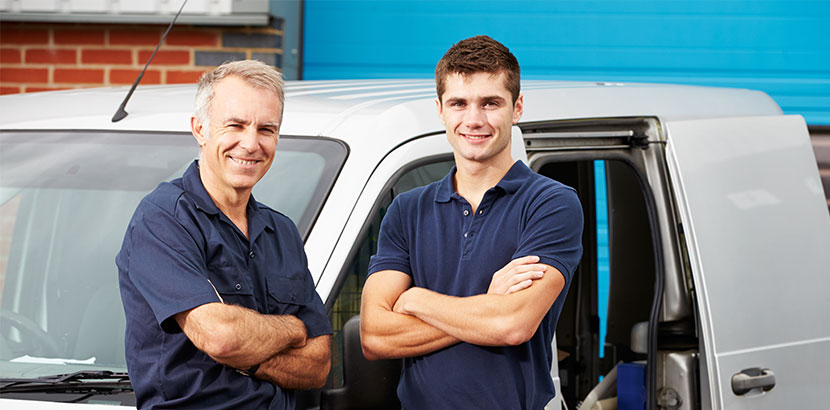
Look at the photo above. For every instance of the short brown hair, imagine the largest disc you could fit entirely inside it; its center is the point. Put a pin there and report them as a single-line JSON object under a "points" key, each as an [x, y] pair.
{"points": [[479, 54]]}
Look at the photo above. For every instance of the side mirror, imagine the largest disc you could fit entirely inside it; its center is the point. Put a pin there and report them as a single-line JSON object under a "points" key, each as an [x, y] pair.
{"points": [[367, 385]]}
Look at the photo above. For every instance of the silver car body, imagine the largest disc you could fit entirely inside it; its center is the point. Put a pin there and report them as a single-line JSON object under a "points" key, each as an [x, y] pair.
{"points": [[738, 204]]}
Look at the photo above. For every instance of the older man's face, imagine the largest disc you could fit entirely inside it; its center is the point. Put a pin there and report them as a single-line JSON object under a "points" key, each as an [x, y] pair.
{"points": [[240, 140]]}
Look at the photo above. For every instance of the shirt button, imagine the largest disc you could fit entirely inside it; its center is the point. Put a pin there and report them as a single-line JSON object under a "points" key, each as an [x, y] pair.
{"points": [[238, 286], [466, 212], [480, 211], [465, 234], [252, 254]]}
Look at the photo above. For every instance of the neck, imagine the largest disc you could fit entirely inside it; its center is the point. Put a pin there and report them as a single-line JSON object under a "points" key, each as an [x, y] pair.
{"points": [[472, 179], [231, 202]]}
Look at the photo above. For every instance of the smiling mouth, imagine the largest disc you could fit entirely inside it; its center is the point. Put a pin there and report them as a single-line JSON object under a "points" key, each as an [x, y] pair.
{"points": [[475, 137], [242, 161]]}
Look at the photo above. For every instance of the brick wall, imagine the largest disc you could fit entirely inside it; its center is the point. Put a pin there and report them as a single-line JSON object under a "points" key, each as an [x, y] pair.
{"points": [[53, 56]]}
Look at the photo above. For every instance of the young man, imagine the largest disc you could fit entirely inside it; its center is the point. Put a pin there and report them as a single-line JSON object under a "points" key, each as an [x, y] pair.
{"points": [[221, 309], [472, 271]]}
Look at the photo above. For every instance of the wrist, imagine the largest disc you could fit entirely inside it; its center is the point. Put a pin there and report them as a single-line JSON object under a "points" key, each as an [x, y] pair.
{"points": [[302, 335]]}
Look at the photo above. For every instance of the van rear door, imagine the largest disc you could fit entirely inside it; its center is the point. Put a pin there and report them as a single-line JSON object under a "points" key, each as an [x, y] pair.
{"points": [[757, 232]]}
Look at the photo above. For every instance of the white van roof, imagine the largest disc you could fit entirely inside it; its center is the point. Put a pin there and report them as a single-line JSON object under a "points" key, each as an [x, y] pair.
{"points": [[341, 108]]}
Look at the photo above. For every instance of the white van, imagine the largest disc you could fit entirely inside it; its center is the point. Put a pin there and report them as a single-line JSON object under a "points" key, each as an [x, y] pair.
{"points": [[717, 226]]}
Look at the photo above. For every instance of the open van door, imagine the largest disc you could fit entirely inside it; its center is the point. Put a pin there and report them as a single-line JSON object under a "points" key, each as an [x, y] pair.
{"points": [[757, 232]]}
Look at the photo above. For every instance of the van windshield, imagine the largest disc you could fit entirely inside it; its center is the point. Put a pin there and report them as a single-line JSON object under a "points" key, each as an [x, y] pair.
{"points": [[65, 201]]}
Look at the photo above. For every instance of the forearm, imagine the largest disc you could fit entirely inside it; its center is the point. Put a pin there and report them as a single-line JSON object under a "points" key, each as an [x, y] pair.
{"points": [[389, 335], [239, 337], [299, 368], [386, 334], [489, 319], [480, 319]]}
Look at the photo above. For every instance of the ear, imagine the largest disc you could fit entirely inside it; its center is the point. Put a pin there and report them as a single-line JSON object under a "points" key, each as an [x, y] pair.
{"points": [[517, 109], [197, 128], [440, 109]]}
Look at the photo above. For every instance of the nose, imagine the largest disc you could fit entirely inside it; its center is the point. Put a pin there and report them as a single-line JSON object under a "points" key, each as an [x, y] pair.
{"points": [[474, 117], [248, 139]]}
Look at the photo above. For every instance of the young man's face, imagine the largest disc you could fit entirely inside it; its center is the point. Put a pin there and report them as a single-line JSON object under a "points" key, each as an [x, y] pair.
{"points": [[478, 112], [239, 143]]}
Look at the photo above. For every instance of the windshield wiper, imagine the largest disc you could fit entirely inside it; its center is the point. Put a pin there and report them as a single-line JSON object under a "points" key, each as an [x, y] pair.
{"points": [[100, 381]]}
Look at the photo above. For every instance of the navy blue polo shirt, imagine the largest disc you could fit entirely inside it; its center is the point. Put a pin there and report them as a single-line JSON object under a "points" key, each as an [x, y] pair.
{"points": [[180, 252], [431, 234]]}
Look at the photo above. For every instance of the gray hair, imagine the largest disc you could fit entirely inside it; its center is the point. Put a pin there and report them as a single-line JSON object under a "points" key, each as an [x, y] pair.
{"points": [[255, 73]]}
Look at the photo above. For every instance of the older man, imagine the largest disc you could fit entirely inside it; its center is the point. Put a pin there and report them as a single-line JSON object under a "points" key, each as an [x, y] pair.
{"points": [[221, 309]]}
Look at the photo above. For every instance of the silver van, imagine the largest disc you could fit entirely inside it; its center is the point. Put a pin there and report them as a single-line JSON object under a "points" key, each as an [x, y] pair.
{"points": [[718, 234]]}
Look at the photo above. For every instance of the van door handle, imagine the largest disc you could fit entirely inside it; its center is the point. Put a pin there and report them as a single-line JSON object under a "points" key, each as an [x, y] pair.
{"points": [[753, 378]]}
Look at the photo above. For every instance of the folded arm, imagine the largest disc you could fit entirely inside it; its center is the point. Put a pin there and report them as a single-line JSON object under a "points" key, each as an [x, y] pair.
{"points": [[490, 319], [240, 337], [299, 368], [386, 334]]}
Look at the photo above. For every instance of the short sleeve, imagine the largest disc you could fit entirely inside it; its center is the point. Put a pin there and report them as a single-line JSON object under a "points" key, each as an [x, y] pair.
{"points": [[393, 249], [313, 313], [553, 230], [166, 265]]}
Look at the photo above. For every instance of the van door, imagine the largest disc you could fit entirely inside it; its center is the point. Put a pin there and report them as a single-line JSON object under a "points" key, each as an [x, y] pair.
{"points": [[757, 232]]}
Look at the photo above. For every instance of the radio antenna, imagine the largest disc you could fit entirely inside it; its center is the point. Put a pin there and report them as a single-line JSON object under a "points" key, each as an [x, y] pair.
{"points": [[122, 112]]}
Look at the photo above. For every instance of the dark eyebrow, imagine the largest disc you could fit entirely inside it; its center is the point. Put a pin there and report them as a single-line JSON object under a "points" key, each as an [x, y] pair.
{"points": [[494, 98], [455, 99]]}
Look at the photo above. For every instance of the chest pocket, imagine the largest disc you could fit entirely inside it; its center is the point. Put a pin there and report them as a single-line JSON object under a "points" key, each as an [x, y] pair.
{"points": [[232, 286], [286, 295]]}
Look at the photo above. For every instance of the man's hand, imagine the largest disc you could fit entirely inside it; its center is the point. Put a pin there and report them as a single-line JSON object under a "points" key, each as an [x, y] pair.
{"points": [[517, 275], [486, 319]]}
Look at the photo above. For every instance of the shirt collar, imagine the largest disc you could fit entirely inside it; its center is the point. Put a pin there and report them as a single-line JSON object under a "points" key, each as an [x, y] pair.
{"points": [[509, 183], [445, 188], [515, 177], [192, 182]]}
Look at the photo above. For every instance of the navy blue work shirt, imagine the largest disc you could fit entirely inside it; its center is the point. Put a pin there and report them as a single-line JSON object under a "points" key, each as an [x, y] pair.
{"points": [[180, 252], [431, 234]]}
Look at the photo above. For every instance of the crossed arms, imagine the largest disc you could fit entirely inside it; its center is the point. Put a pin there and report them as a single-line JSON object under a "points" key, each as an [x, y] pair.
{"points": [[241, 338], [398, 320]]}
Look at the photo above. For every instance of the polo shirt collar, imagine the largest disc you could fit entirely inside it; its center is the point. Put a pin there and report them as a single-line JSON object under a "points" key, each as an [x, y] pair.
{"points": [[515, 177], [445, 189], [192, 182], [509, 183]]}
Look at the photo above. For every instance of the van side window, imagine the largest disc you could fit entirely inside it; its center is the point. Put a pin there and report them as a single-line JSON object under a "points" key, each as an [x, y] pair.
{"points": [[347, 302]]}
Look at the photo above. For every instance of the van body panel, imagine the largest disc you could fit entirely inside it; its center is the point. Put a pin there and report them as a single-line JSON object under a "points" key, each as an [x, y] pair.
{"points": [[369, 192], [757, 232], [737, 222]]}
